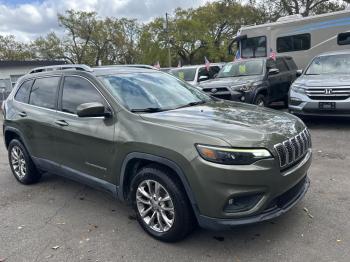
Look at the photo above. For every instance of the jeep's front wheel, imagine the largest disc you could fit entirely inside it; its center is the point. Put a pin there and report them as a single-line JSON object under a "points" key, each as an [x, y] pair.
{"points": [[260, 100], [161, 205], [21, 164]]}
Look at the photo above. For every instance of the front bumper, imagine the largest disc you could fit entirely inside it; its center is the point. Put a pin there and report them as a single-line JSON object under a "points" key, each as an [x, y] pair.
{"points": [[217, 184], [301, 104], [278, 207]]}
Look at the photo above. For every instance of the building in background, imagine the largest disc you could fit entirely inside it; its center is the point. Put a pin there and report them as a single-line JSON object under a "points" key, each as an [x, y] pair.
{"points": [[10, 71]]}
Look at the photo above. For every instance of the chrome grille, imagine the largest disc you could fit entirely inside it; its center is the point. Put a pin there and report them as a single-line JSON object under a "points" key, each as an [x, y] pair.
{"points": [[328, 93], [291, 150]]}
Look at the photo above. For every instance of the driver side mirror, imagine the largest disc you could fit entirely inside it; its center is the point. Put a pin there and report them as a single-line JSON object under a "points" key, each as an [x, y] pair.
{"points": [[299, 72], [93, 109], [273, 71], [203, 78]]}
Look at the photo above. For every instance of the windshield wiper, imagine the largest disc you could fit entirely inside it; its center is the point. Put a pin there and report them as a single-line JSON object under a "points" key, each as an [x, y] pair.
{"points": [[193, 104], [147, 109]]}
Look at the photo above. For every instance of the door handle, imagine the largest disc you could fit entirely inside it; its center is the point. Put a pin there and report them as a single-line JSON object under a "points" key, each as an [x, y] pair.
{"points": [[22, 114], [61, 123]]}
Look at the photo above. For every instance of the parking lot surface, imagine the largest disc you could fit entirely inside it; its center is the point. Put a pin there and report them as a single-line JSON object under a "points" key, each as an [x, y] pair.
{"points": [[61, 220]]}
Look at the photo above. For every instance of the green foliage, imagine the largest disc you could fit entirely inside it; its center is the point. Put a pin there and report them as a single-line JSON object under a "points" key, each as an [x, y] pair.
{"points": [[10, 49]]}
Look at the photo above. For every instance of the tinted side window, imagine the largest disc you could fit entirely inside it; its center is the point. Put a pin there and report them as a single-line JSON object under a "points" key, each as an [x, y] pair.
{"points": [[23, 92], [290, 63], [293, 43], [213, 70], [344, 39], [270, 64], [77, 91], [281, 65], [44, 92]]}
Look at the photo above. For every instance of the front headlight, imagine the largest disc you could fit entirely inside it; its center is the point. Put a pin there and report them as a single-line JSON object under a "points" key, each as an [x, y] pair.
{"points": [[232, 156], [297, 88], [250, 86]]}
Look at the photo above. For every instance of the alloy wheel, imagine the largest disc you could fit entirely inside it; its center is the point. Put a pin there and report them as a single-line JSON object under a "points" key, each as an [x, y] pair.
{"points": [[18, 162], [155, 206]]}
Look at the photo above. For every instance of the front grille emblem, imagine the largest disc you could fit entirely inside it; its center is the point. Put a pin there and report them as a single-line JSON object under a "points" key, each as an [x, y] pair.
{"points": [[328, 91]]}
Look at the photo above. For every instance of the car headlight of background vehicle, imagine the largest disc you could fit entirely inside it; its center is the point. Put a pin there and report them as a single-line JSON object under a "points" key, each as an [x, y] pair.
{"points": [[232, 156], [297, 88], [250, 86]]}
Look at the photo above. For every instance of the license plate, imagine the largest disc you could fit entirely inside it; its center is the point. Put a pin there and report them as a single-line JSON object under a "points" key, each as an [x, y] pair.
{"points": [[327, 105]]}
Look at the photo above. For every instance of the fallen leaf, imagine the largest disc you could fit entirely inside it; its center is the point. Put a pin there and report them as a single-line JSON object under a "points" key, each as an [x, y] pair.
{"points": [[20, 227], [308, 212], [55, 247]]}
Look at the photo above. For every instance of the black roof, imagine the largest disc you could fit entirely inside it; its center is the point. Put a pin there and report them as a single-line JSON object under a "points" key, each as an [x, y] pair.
{"points": [[12, 63]]}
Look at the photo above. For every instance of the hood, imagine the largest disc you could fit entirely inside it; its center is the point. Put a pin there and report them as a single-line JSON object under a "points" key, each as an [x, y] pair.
{"points": [[194, 83], [230, 81], [239, 124], [327, 80]]}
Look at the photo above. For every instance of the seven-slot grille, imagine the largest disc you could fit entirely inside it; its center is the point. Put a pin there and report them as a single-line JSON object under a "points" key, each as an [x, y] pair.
{"points": [[291, 150]]}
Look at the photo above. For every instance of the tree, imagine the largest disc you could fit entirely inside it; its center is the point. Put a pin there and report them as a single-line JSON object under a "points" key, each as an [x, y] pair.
{"points": [[50, 47], [10, 49], [80, 27], [278, 8]]}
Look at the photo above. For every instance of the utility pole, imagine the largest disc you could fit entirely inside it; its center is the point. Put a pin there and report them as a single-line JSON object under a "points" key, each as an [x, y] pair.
{"points": [[168, 38]]}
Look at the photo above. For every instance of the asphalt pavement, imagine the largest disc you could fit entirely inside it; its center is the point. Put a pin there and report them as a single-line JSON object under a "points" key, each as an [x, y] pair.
{"points": [[61, 220]]}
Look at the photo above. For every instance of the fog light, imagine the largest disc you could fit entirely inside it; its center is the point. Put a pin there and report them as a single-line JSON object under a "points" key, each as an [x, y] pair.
{"points": [[241, 203], [242, 98], [295, 101]]}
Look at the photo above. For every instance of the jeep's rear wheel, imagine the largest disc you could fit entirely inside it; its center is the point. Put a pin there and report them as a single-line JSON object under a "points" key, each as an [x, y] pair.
{"points": [[161, 205], [21, 164]]}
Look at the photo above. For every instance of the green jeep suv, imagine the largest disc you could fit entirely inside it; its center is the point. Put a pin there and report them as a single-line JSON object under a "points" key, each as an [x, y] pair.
{"points": [[177, 155]]}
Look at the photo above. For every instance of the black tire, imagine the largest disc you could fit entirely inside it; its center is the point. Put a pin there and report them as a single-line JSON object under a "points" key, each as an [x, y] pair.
{"points": [[31, 174], [183, 217], [286, 102], [260, 100]]}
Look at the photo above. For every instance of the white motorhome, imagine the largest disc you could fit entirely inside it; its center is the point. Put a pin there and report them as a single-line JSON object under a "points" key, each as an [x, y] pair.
{"points": [[299, 37]]}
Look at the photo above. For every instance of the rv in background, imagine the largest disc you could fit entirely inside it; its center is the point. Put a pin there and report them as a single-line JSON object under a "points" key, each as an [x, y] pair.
{"points": [[299, 37]]}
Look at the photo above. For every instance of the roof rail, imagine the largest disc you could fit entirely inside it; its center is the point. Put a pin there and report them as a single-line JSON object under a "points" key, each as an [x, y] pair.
{"points": [[127, 65], [61, 67]]}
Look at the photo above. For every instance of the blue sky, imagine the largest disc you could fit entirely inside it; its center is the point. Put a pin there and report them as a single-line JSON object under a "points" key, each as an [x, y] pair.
{"points": [[28, 19]]}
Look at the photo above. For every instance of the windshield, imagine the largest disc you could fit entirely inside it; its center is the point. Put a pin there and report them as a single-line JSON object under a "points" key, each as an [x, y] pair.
{"points": [[242, 68], [332, 64], [152, 92], [186, 74]]}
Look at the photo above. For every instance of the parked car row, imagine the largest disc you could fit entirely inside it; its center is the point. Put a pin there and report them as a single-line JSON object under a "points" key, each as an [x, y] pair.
{"points": [[323, 88]]}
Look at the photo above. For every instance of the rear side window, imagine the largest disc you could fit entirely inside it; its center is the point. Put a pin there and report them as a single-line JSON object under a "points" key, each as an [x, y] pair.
{"points": [[344, 39], [44, 92], [293, 43], [23, 92], [280, 65], [77, 91]]}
